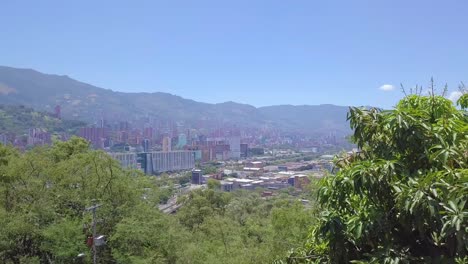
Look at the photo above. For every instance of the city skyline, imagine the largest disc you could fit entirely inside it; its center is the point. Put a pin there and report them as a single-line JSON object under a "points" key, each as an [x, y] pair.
{"points": [[261, 53]]}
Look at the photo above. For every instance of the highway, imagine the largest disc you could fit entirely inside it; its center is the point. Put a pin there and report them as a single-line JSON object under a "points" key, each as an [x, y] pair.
{"points": [[172, 206]]}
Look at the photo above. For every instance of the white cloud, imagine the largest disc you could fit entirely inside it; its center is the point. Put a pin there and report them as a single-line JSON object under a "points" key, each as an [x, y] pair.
{"points": [[387, 87], [453, 96]]}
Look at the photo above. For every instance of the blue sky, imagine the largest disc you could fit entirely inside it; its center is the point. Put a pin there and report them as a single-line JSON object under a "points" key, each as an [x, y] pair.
{"points": [[257, 52]]}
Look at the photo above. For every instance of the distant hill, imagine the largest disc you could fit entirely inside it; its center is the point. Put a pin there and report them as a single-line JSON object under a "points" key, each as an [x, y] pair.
{"points": [[18, 119], [317, 118], [87, 102]]}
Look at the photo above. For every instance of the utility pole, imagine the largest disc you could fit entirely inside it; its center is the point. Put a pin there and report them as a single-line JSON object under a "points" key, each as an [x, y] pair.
{"points": [[93, 210]]}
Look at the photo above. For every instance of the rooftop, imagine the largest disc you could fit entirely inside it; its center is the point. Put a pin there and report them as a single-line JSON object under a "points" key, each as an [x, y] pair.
{"points": [[252, 169]]}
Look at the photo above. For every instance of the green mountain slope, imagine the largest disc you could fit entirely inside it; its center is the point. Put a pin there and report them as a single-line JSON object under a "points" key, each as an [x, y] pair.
{"points": [[86, 102], [18, 119]]}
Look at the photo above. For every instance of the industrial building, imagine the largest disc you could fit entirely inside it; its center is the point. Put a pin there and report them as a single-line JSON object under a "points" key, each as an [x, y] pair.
{"points": [[164, 161], [157, 162], [126, 159]]}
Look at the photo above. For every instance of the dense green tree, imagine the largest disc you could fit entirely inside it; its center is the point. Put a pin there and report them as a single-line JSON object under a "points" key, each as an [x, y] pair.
{"points": [[402, 197], [213, 184], [43, 194], [210, 169], [63, 239], [290, 225], [201, 204], [185, 178], [243, 227], [148, 236]]}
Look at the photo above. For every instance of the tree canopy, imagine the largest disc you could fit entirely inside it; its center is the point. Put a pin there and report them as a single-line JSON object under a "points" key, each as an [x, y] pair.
{"points": [[44, 193], [402, 197]]}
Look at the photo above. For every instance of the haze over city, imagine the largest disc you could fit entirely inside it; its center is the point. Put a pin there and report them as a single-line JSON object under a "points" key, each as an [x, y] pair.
{"points": [[256, 52]]}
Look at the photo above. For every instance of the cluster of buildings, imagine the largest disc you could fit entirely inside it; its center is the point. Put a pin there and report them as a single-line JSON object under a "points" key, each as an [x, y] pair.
{"points": [[273, 182], [277, 182], [221, 143], [156, 146], [255, 175], [172, 155], [124, 136], [159, 146], [219, 148], [38, 136], [33, 136]]}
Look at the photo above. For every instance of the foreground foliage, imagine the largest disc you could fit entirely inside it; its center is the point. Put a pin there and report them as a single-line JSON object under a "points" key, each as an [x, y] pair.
{"points": [[44, 193], [403, 197]]}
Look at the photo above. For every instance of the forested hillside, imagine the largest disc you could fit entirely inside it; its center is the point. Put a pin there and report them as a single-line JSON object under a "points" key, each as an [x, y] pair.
{"points": [[18, 119]]}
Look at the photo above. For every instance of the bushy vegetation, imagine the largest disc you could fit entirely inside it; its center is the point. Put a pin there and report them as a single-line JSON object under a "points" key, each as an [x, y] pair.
{"points": [[44, 193], [403, 197]]}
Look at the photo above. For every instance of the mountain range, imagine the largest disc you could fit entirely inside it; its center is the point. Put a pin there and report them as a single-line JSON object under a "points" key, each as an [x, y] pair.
{"points": [[88, 103]]}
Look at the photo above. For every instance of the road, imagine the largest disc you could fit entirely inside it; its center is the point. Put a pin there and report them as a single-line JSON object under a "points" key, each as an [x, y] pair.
{"points": [[171, 206]]}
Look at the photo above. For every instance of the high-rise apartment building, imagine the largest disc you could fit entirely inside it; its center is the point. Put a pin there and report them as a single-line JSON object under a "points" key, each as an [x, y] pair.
{"points": [[244, 150], [148, 133], [234, 145], [146, 145], [166, 144], [182, 141], [95, 135], [172, 161]]}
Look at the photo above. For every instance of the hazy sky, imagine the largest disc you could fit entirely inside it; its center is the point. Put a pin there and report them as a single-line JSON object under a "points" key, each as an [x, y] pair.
{"points": [[257, 52]]}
